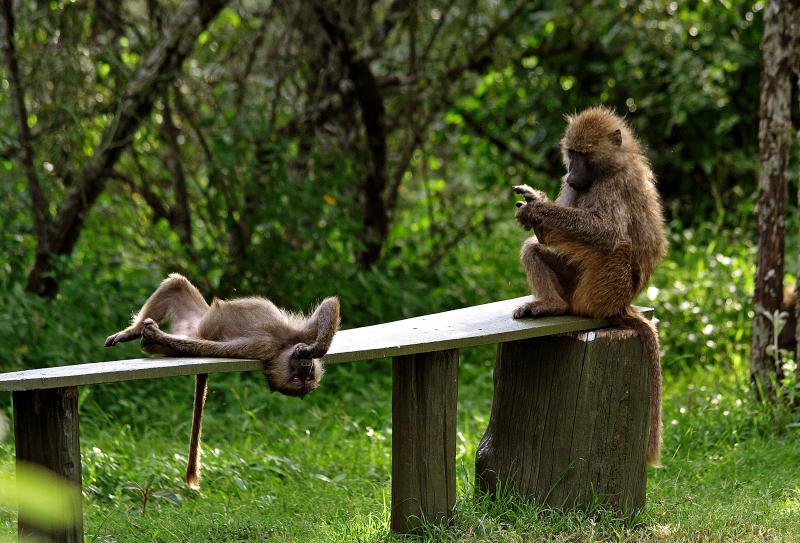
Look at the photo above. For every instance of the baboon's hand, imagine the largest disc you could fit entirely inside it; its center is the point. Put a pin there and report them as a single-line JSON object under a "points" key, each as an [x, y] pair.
{"points": [[301, 350], [113, 339], [532, 196], [526, 211], [525, 216]]}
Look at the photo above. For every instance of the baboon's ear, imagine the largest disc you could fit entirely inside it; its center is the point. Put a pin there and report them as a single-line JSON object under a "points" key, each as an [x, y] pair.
{"points": [[616, 137]]}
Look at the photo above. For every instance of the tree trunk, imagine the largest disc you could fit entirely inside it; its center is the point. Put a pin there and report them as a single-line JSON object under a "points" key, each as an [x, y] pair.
{"points": [[774, 135], [375, 220], [46, 434], [569, 421], [796, 62], [424, 394], [134, 106], [16, 93]]}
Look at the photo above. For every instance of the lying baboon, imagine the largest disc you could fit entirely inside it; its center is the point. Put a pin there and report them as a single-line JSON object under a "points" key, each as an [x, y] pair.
{"points": [[289, 344]]}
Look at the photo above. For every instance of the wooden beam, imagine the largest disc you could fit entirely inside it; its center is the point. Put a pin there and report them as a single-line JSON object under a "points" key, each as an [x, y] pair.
{"points": [[424, 393], [468, 327], [121, 370], [46, 434]]}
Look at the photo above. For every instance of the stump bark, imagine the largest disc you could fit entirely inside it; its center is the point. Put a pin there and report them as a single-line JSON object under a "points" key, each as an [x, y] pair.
{"points": [[569, 421]]}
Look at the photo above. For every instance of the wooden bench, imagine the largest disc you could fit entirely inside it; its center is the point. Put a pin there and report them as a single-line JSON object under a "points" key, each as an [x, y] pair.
{"points": [[568, 422]]}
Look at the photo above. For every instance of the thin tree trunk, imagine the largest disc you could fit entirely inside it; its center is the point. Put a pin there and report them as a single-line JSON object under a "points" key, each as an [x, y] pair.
{"points": [[795, 30], [16, 91], [181, 213], [370, 101], [134, 106], [774, 135]]}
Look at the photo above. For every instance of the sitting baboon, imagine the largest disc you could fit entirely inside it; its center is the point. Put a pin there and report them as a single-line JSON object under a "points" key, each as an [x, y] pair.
{"points": [[598, 243]]}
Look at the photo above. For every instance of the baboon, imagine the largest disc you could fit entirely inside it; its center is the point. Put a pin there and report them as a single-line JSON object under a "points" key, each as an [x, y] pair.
{"points": [[597, 244], [289, 344]]}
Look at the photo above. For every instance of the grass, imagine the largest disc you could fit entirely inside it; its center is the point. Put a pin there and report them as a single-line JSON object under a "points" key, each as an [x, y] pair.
{"points": [[280, 469]]}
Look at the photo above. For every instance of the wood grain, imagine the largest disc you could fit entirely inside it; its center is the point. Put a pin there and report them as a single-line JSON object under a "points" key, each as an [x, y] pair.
{"points": [[467, 327], [46, 434], [424, 394], [569, 421]]}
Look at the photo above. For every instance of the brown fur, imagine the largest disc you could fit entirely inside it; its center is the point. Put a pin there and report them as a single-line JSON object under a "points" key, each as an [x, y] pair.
{"points": [[193, 464], [787, 338], [597, 248], [289, 344]]}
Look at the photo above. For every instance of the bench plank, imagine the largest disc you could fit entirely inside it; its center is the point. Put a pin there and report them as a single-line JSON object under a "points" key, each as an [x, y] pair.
{"points": [[468, 327]]}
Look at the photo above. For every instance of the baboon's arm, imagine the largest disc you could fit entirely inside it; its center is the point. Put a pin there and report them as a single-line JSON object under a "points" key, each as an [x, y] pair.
{"points": [[323, 325], [578, 224], [189, 346]]}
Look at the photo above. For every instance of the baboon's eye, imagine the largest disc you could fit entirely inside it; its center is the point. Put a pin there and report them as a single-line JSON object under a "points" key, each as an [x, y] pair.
{"points": [[573, 155]]}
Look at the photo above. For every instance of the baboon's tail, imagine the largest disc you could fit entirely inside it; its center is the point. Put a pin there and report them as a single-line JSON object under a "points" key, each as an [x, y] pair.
{"points": [[648, 335], [193, 466]]}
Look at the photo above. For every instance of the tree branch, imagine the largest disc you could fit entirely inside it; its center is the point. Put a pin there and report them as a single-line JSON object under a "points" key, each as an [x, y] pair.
{"points": [[481, 130], [153, 75], [160, 210], [181, 213], [39, 203]]}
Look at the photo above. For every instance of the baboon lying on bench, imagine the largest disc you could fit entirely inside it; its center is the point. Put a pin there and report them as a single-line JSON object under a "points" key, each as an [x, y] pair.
{"points": [[290, 344]]}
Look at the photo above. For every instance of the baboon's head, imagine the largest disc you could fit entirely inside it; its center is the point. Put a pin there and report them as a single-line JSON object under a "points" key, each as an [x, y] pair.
{"points": [[294, 373], [595, 144]]}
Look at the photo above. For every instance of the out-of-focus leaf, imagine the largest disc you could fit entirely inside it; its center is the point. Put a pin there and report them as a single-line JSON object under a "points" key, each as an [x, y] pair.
{"points": [[43, 499]]}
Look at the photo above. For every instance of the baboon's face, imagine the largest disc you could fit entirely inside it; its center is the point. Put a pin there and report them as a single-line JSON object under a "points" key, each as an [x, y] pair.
{"points": [[580, 171], [294, 376]]}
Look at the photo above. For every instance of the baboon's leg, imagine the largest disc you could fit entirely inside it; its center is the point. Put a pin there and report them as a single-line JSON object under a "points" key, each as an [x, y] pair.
{"points": [[156, 341], [549, 277], [176, 300], [606, 287]]}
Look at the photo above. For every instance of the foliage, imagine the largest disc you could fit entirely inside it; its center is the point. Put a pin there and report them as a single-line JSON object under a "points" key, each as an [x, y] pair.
{"points": [[255, 159]]}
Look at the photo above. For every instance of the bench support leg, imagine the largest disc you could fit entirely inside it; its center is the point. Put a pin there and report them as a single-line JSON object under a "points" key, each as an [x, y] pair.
{"points": [[569, 421], [46, 434], [424, 393]]}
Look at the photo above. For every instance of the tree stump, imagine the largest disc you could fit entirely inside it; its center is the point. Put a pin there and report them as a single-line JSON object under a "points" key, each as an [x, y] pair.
{"points": [[569, 421], [424, 394]]}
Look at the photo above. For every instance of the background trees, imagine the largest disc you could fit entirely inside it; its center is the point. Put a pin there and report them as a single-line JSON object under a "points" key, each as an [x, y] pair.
{"points": [[289, 126]]}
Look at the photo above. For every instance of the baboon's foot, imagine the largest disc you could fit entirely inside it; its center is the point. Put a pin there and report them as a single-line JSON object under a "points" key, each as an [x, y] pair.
{"points": [[151, 334], [540, 308], [128, 334]]}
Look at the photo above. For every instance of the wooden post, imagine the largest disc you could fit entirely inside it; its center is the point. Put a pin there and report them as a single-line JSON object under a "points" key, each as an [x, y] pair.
{"points": [[569, 421], [46, 434], [424, 393]]}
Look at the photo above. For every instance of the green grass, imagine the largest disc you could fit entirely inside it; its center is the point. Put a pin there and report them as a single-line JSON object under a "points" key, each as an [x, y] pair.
{"points": [[281, 469], [278, 469]]}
